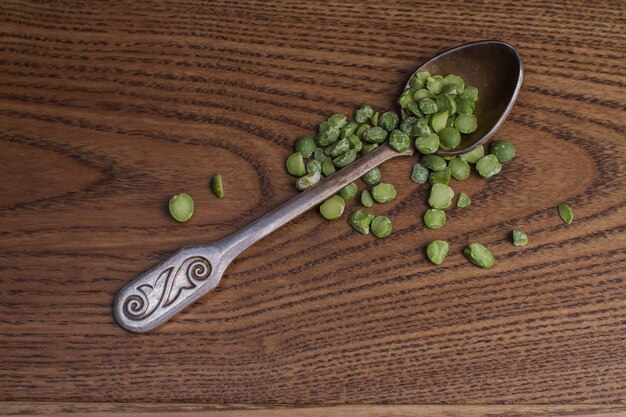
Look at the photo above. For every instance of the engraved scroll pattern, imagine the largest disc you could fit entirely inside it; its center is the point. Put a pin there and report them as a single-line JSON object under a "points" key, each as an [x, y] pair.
{"points": [[166, 288]]}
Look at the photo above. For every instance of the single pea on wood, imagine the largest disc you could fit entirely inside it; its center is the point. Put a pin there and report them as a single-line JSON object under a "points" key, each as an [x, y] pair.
{"points": [[332, 208], [436, 251], [360, 221], [295, 164], [381, 227], [419, 174], [463, 201], [217, 186], [181, 207], [479, 255], [440, 196], [566, 213], [503, 150], [519, 238], [383, 193], [366, 198], [434, 218], [488, 166], [305, 145]]}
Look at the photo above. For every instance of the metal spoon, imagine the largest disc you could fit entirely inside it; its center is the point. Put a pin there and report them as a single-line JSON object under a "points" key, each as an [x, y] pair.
{"points": [[157, 295]]}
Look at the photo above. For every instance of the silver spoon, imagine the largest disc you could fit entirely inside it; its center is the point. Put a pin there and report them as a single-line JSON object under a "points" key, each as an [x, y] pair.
{"points": [[157, 295]]}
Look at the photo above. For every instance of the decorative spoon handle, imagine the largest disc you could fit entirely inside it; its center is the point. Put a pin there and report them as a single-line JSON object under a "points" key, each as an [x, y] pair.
{"points": [[162, 292]]}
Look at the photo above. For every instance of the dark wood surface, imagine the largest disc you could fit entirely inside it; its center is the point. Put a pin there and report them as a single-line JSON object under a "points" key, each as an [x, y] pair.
{"points": [[107, 109], [202, 410]]}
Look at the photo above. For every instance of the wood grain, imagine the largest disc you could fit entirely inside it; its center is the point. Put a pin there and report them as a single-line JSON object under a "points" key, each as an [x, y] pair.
{"points": [[107, 109], [198, 410]]}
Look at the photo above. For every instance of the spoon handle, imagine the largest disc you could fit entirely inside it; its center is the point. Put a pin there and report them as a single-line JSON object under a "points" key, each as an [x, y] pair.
{"points": [[165, 290], [258, 229]]}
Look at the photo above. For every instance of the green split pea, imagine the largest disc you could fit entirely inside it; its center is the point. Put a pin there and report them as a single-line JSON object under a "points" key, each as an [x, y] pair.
{"points": [[332, 208], [434, 218], [366, 198], [463, 200], [349, 191], [372, 176], [360, 221], [295, 164], [181, 207], [217, 186], [479, 255], [488, 166], [519, 238], [383, 193], [419, 174], [437, 251], [381, 227], [440, 196], [566, 213]]}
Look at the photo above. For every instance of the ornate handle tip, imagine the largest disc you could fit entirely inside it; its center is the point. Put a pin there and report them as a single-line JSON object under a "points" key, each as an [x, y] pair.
{"points": [[160, 293]]}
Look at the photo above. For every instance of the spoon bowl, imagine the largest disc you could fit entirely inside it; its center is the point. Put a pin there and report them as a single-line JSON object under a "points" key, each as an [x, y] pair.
{"points": [[496, 69]]}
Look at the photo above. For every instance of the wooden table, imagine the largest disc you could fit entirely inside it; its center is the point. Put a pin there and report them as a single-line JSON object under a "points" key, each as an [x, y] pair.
{"points": [[106, 110]]}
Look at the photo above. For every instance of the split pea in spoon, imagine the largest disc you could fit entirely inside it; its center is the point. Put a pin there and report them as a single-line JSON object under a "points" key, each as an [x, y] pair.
{"points": [[162, 292]]}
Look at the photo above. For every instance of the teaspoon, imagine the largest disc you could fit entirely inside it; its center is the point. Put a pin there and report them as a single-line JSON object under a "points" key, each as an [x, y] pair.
{"points": [[151, 299]]}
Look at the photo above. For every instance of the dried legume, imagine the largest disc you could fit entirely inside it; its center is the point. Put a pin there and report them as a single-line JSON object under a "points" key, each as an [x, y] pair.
{"points": [[332, 208], [437, 251], [181, 207], [381, 227], [479, 255]]}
